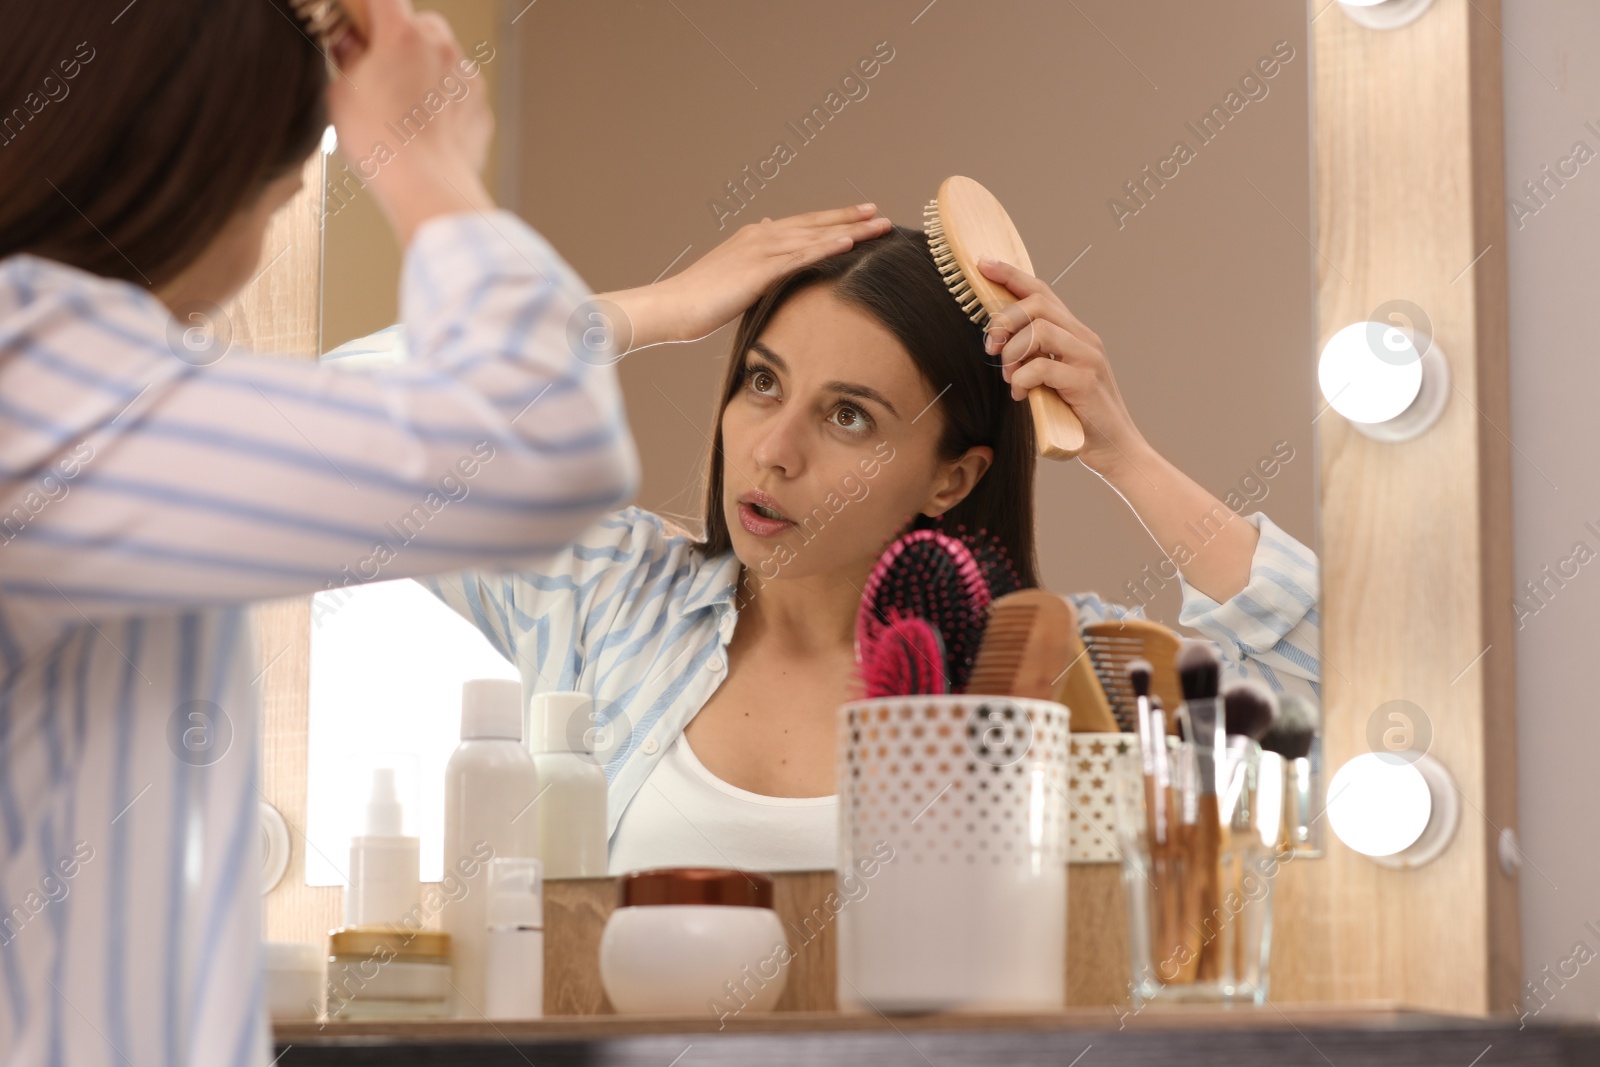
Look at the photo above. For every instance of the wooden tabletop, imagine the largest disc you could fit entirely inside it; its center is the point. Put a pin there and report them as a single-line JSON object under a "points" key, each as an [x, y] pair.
{"points": [[1160, 1035]]}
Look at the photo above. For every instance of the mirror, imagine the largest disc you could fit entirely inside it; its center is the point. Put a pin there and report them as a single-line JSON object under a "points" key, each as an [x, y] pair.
{"points": [[1156, 159]]}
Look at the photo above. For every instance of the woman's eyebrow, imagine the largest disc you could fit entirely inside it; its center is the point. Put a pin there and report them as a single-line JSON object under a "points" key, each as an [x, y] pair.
{"points": [[853, 389]]}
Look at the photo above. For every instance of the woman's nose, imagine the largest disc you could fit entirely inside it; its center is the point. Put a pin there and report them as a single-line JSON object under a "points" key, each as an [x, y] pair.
{"points": [[779, 446]]}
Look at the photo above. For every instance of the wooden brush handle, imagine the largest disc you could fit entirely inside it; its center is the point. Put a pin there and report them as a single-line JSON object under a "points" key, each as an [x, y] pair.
{"points": [[1205, 882], [1056, 429]]}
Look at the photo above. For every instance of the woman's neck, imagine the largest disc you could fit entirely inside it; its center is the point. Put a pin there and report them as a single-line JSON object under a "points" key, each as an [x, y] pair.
{"points": [[805, 616]]}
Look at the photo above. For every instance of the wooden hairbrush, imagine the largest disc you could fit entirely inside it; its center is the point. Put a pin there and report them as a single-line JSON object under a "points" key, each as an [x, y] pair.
{"points": [[1116, 643], [331, 21], [964, 224]]}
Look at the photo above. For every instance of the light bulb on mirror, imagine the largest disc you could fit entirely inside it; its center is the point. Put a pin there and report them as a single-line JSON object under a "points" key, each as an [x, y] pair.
{"points": [[1397, 809], [1384, 14], [1391, 382]]}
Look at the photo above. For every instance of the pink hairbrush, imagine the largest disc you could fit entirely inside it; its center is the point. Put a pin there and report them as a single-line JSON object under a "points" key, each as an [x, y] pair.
{"points": [[906, 658], [930, 576]]}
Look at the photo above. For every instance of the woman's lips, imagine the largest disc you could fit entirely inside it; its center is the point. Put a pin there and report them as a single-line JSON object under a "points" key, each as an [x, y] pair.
{"points": [[758, 524]]}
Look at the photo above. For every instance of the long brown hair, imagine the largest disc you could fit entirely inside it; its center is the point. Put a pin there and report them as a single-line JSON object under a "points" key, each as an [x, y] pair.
{"points": [[893, 278], [126, 147]]}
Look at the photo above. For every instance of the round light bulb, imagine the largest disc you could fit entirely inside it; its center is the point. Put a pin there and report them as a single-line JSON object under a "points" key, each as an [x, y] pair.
{"points": [[1370, 372], [1379, 806]]}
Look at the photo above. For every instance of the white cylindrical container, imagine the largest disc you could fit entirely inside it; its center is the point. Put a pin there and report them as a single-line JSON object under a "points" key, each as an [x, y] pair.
{"points": [[694, 940], [514, 983], [490, 787], [385, 872], [953, 838], [294, 981], [572, 809]]}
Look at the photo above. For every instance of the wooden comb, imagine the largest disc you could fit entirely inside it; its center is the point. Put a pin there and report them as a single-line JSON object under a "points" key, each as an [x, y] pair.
{"points": [[1113, 644], [963, 225], [1026, 641], [1031, 648]]}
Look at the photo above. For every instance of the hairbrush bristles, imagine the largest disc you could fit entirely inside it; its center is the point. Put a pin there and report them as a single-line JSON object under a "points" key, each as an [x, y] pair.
{"points": [[929, 575], [905, 659], [329, 21], [954, 279], [994, 562]]}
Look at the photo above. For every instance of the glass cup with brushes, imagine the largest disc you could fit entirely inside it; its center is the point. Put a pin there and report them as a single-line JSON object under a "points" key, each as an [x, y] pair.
{"points": [[1201, 822]]}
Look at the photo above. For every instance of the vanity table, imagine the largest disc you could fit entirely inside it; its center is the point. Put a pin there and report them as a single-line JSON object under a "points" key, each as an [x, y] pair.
{"points": [[1346, 1035]]}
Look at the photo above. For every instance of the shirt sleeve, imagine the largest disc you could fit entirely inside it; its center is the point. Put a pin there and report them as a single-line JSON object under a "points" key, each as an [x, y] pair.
{"points": [[1269, 630], [135, 477], [588, 607]]}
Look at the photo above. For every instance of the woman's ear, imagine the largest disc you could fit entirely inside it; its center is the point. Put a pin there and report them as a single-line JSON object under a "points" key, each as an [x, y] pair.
{"points": [[957, 478]]}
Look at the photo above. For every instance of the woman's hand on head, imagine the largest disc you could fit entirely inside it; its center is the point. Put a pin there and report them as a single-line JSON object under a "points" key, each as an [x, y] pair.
{"points": [[717, 288], [1041, 343], [386, 87]]}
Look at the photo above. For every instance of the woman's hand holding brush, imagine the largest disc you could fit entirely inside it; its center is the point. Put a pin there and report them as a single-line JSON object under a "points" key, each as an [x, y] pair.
{"points": [[407, 58], [1039, 342]]}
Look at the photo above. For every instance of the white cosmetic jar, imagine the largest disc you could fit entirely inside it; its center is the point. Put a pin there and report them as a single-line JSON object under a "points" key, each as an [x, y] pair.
{"points": [[294, 981], [687, 940]]}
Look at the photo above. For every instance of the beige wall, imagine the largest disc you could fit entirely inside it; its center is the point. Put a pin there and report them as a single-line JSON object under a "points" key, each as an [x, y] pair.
{"points": [[1552, 94], [633, 116]]}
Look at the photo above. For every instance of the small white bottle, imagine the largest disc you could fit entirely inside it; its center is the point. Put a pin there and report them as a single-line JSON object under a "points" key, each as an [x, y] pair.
{"points": [[515, 985], [385, 873], [572, 809], [490, 787]]}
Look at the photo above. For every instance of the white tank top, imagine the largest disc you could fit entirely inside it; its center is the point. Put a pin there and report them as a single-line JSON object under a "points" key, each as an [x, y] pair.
{"points": [[685, 816]]}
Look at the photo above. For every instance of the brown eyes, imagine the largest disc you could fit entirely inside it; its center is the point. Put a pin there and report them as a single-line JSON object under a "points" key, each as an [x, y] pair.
{"points": [[846, 416]]}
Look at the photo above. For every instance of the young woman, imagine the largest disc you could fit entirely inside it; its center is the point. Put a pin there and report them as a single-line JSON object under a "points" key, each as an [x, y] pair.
{"points": [[150, 485], [858, 398]]}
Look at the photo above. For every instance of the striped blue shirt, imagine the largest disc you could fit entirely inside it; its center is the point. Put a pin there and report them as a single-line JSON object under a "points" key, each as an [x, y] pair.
{"points": [[147, 491], [637, 615]]}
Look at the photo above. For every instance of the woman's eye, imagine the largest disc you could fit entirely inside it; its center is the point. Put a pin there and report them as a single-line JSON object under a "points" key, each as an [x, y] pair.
{"points": [[760, 380], [852, 418]]}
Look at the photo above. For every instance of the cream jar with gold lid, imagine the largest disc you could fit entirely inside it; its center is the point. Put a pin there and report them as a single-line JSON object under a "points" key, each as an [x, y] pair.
{"points": [[382, 972]]}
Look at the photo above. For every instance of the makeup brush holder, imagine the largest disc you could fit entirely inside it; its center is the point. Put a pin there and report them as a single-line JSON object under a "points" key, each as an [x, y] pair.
{"points": [[952, 853], [1167, 934]]}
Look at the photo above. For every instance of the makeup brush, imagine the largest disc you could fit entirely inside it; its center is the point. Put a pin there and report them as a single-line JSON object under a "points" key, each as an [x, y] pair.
{"points": [[1248, 711], [1138, 672], [1291, 736], [331, 21], [1293, 730], [964, 224], [1199, 672], [929, 575], [1158, 831], [1167, 837]]}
